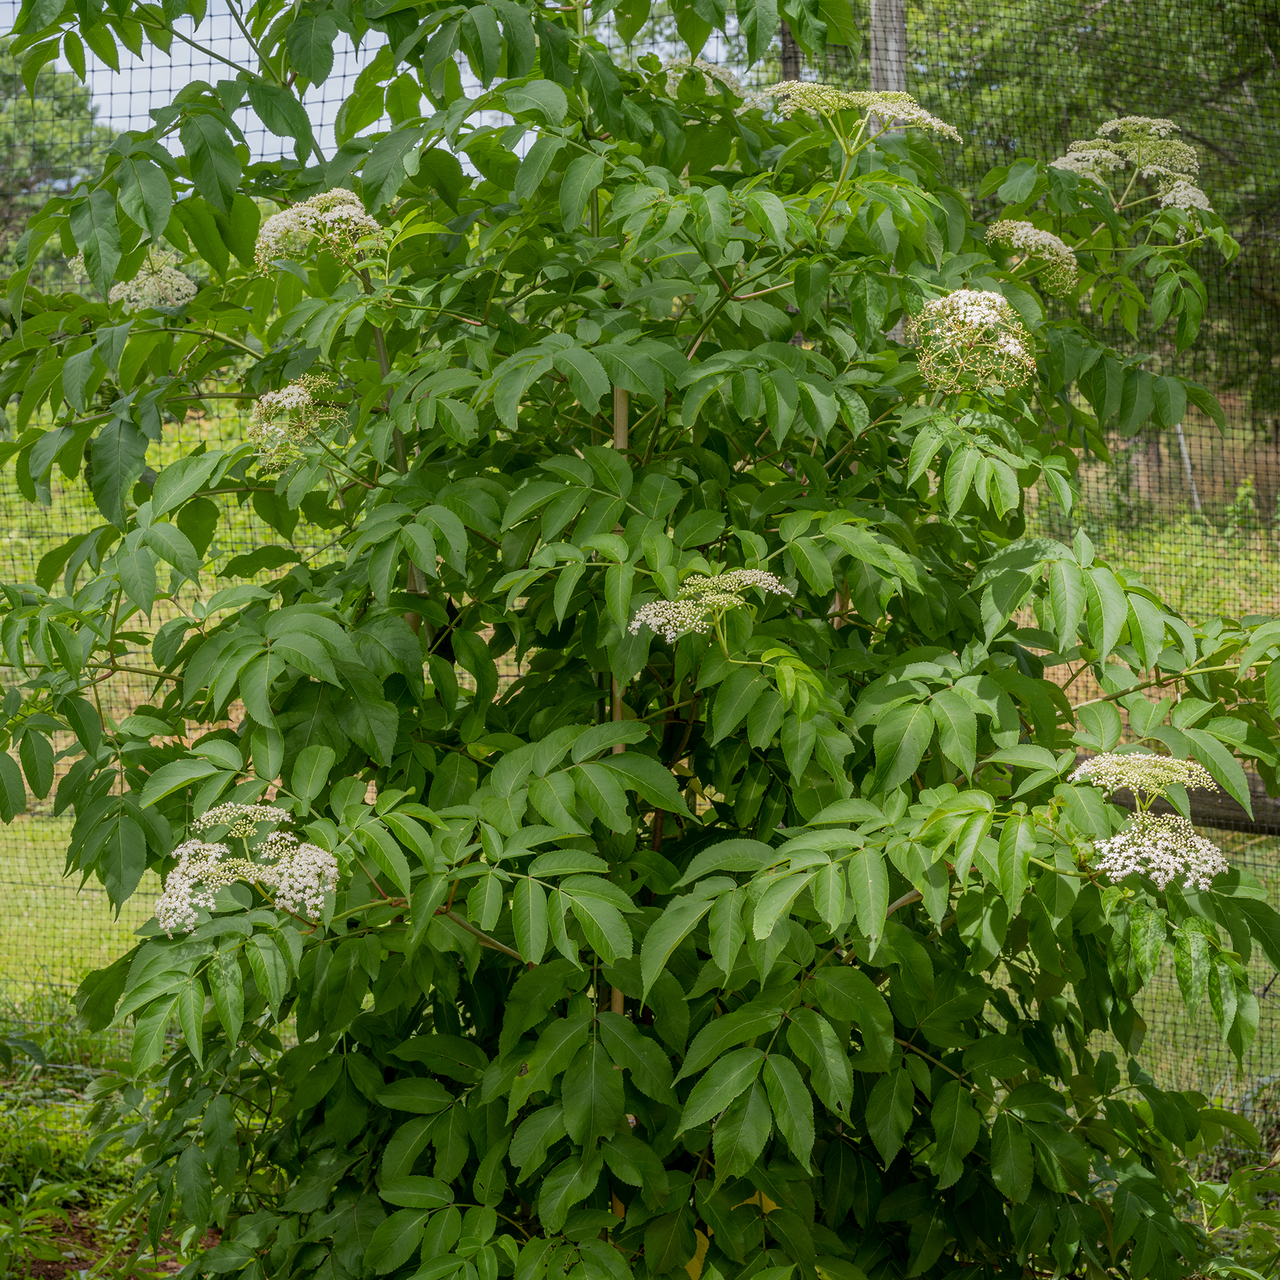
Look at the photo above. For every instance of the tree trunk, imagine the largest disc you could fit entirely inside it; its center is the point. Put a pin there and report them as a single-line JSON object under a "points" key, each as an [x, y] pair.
{"points": [[791, 59], [889, 46]]}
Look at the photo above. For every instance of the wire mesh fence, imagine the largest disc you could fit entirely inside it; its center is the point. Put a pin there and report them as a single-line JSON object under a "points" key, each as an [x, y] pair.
{"points": [[1195, 511]]}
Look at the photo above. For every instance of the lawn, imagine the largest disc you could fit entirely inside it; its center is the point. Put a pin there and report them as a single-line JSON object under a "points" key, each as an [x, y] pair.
{"points": [[57, 930]]}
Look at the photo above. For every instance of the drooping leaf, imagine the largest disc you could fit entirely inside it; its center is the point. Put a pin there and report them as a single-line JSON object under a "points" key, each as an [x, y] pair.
{"points": [[792, 1105], [889, 1112], [581, 178]]}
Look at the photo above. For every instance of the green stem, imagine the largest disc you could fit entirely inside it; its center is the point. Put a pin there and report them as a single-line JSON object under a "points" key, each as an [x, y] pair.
{"points": [[928, 1057], [253, 44], [485, 939], [137, 15], [1164, 681]]}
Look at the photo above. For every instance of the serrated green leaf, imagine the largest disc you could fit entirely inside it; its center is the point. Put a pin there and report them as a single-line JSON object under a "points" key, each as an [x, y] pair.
{"points": [[640, 1056], [741, 1133], [889, 1113], [678, 919], [956, 1124], [869, 888], [581, 178], [592, 1095], [792, 1106], [813, 1040], [1011, 1157], [228, 989]]}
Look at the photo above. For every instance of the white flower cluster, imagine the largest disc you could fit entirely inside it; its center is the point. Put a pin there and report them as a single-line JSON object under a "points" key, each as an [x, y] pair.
{"points": [[191, 885], [971, 338], [675, 69], [158, 284], [1147, 145], [1147, 125], [1143, 773], [701, 600], [301, 874], [1059, 272], [825, 100], [1186, 196], [1161, 847], [284, 420], [673, 618], [241, 820], [1089, 161], [336, 218], [735, 580]]}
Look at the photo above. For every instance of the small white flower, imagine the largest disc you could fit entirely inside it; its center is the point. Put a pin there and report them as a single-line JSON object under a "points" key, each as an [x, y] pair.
{"points": [[190, 886], [241, 820], [1143, 773], [1184, 195], [1060, 271], [303, 873], [971, 338], [671, 619], [735, 580], [825, 100], [338, 198], [1089, 161], [1142, 142], [158, 284], [300, 874], [1161, 847], [284, 235], [337, 219], [1126, 125], [700, 600], [344, 227], [675, 69], [287, 419]]}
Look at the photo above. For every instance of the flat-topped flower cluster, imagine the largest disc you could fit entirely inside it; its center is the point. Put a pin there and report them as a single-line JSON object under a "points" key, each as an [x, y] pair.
{"points": [[1146, 144], [1160, 846], [892, 110], [971, 338], [1059, 270], [674, 70], [701, 600], [1164, 848], [285, 420], [299, 873], [1142, 772], [335, 219], [158, 283]]}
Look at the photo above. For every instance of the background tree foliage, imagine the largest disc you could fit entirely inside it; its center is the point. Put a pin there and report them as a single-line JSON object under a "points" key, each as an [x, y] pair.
{"points": [[48, 136], [775, 946], [1018, 76]]}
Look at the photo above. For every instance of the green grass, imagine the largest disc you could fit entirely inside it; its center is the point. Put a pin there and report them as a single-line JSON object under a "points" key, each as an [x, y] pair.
{"points": [[1187, 1051], [29, 530], [57, 931], [1139, 511], [1200, 572], [1195, 567]]}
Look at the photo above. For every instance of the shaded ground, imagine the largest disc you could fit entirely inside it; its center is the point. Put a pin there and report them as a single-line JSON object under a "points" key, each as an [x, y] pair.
{"points": [[89, 1244]]}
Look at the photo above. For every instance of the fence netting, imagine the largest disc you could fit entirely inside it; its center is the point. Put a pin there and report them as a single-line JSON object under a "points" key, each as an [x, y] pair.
{"points": [[1195, 510]]}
